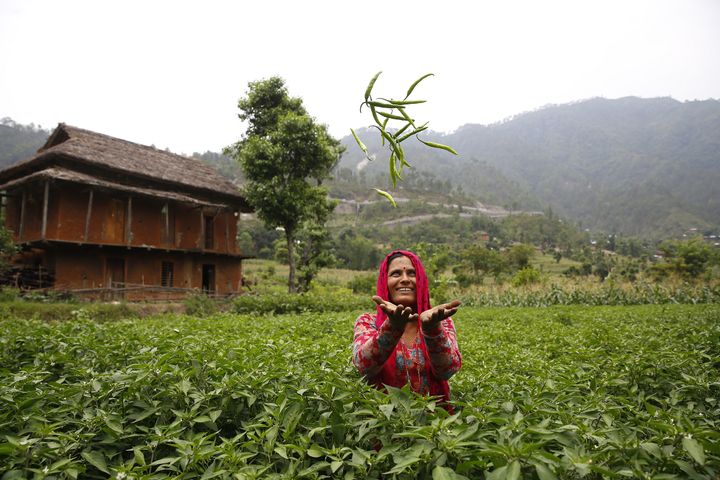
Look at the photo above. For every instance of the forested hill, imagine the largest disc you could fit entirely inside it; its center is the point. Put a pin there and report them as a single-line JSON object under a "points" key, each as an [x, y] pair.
{"points": [[18, 142], [648, 167]]}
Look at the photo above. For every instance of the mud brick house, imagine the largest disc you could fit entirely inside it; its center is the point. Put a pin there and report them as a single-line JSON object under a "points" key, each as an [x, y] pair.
{"points": [[93, 213]]}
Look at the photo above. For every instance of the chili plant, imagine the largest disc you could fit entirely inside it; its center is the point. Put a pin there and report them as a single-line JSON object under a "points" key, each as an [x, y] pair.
{"points": [[555, 392]]}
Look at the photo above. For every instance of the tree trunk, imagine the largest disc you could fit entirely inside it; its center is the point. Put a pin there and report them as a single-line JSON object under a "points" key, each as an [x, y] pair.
{"points": [[289, 236]]}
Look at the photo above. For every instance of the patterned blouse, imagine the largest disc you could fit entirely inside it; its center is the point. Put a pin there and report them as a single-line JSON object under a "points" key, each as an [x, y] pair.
{"points": [[372, 346]]}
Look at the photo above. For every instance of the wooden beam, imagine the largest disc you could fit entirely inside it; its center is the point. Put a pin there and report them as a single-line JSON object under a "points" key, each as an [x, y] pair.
{"points": [[88, 213], [46, 195], [128, 230]]}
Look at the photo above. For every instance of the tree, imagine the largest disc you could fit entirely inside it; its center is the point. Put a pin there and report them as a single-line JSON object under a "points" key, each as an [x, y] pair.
{"points": [[356, 252], [519, 255], [285, 156], [315, 246], [481, 261], [688, 258]]}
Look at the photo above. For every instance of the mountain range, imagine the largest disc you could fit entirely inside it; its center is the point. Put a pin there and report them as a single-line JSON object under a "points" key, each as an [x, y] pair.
{"points": [[633, 166]]}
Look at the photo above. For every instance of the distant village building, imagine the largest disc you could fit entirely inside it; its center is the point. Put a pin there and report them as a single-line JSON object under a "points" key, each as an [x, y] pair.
{"points": [[92, 214]]}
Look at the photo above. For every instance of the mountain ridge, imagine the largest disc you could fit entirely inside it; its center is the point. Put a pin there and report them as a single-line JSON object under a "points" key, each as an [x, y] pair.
{"points": [[618, 165]]}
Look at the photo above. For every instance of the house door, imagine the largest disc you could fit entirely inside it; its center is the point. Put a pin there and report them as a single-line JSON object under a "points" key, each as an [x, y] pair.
{"points": [[115, 222], [208, 278], [115, 275]]}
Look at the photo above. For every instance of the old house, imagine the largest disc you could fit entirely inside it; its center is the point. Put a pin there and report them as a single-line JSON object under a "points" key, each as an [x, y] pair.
{"points": [[91, 212]]}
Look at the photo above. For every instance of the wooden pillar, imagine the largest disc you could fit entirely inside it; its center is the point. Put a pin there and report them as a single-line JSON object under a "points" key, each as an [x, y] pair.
{"points": [[88, 213], [201, 240], [227, 234], [166, 211], [23, 208], [128, 230], [46, 194]]}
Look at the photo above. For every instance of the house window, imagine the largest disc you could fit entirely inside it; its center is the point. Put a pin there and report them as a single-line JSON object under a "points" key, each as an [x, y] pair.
{"points": [[166, 276], [209, 232]]}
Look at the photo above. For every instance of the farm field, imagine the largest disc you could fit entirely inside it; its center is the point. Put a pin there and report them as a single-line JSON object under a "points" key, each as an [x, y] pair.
{"points": [[556, 392]]}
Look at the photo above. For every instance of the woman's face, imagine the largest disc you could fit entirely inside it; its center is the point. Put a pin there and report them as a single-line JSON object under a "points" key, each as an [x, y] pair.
{"points": [[401, 282]]}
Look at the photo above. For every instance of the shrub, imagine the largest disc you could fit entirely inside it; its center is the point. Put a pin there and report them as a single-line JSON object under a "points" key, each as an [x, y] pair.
{"points": [[363, 284], [526, 276], [9, 294], [200, 305], [327, 300], [101, 312]]}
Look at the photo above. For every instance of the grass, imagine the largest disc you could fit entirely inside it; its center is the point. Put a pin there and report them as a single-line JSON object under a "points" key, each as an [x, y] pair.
{"points": [[257, 270], [547, 264]]}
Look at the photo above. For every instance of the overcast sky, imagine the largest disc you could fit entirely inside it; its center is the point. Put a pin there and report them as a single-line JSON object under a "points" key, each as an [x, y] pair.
{"points": [[169, 73]]}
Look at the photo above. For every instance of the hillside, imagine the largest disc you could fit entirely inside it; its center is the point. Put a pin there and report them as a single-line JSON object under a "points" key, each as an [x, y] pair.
{"points": [[648, 167], [18, 142], [638, 167]]}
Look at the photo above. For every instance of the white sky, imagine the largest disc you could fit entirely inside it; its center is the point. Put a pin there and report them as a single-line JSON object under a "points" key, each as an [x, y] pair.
{"points": [[170, 72]]}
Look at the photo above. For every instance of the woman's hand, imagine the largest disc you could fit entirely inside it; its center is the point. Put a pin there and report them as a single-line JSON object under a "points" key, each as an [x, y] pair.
{"points": [[398, 315], [430, 319]]}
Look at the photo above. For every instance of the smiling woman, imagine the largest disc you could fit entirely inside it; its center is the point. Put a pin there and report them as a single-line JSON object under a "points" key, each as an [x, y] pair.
{"points": [[407, 341]]}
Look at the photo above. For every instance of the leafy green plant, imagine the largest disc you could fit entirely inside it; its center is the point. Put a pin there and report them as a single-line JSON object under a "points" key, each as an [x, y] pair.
{"points": [[559, 392]]}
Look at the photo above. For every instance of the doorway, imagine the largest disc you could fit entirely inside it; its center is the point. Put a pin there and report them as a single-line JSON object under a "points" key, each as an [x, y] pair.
{"points": [[115, 275], [114, 226], [208, 278]]}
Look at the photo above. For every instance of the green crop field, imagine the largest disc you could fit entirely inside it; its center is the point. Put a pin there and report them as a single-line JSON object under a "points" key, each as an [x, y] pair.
{"points": [[556, 392]]}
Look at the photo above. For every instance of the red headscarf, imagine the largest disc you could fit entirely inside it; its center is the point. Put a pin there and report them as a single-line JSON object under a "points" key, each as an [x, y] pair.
{"points": [[389, 375]]}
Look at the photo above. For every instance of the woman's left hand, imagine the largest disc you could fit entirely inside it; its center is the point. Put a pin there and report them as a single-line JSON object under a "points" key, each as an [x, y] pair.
{"points": [[430, 319]]}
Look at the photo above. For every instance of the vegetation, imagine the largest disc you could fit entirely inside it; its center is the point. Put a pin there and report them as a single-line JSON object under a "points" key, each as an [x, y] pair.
{"points": [[688, 259], [18, 142], [537, 292], [281, 152], [561, 392], [45, 309], [7, 247]]}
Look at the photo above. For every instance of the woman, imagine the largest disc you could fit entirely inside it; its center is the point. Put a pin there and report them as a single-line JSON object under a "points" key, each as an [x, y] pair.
{"points": [[408, 341]]}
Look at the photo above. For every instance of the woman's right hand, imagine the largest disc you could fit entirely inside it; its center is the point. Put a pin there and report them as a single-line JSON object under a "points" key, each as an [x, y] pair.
{"points": [[398, 315]]}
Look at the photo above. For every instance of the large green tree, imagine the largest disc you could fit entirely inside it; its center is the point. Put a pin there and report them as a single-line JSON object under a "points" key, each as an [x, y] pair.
{"points": [[285, 156], [687, 258]]}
